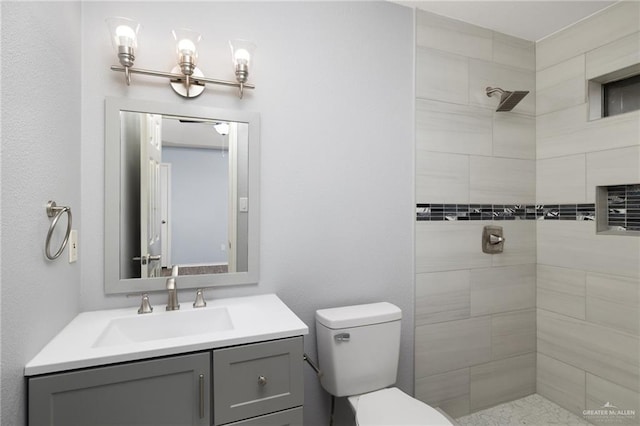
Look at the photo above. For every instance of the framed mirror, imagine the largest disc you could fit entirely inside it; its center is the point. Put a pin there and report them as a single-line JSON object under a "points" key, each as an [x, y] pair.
{"points": [[181, 189]]}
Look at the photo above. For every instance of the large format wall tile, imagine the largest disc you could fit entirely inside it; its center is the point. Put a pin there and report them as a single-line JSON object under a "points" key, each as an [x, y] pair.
{"points": [[438, 32], [451, 128], [561, 290], [614, 301], [503, 380], [514, 136], [611, 24], [614, 56], [567, 132], [596, 349], [515, 52], [442, 296], [561, 86], [520, 243], [496, 290], [452, 345], [446, 246], [575, 245], [601, 392], [448, 391], [483, 74], [513, 333], [562, 383], [612, 167], [441, 178], [441, 76], [561, 180], [501, 180]]}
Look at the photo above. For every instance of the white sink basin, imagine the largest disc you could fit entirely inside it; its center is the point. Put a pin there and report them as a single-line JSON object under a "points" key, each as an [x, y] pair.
{"points": [[120, 335], [164, 325]]}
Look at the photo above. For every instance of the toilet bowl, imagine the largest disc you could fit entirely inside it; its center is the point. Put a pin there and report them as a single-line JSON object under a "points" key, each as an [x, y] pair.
{"points": [[392, 407]]}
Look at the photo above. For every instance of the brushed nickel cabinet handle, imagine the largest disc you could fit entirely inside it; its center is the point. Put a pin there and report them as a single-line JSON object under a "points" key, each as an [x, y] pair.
{"points": [[202, 396]]}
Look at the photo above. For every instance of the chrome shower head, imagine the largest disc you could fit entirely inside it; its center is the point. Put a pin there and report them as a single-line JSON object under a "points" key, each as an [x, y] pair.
{"points": [[508, 100]]}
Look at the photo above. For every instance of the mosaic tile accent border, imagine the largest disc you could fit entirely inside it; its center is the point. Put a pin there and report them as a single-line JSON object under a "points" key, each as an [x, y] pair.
{"points": [[623, 207], [438, 212]]}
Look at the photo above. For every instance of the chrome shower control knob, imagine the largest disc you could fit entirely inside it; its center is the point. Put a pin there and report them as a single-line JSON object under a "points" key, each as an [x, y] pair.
{"points": [[262, 380]]}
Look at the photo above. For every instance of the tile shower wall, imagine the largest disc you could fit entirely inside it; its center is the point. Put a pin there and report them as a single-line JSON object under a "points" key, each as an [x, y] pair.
{"points": [[475, 336], [588, 285]]}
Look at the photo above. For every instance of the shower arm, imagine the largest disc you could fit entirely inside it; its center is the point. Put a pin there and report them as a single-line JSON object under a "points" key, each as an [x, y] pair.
{"points": [[492, 90]]}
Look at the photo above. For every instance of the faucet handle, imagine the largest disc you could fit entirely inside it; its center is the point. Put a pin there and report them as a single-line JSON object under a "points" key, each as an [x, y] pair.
{"points": [[200, 302], [145, 305]]}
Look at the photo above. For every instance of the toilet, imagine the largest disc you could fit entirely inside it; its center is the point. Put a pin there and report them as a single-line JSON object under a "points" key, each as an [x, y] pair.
{"points": [[358, 352]]}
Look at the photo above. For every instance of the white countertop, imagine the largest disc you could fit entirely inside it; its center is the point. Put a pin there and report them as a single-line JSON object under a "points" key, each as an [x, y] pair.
{"points": [[254, 318]]}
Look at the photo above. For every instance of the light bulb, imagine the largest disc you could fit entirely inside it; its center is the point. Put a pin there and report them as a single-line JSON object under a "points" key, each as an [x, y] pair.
{"points": [[125, 36], [124, 33], [186, 42], [241, 52], [186, 47], [242, 56]]}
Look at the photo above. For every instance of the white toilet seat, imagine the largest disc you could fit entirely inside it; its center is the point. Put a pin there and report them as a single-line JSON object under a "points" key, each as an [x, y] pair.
{"points": [[392, 407]]}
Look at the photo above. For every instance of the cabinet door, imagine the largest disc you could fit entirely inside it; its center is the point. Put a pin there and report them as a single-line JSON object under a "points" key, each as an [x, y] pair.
{"points": [[168, 391], [257, 379]]}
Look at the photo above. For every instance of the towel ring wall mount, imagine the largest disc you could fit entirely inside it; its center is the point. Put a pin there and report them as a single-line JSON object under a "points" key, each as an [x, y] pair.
{"points": [[56, 212]]}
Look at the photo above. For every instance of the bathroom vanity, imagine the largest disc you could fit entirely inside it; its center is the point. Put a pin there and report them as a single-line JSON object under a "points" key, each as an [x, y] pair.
{"points": [[118, 367]]}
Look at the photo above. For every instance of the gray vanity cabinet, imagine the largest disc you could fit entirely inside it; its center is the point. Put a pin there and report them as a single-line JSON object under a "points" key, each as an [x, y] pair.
{"points": [[256, 384], [166, 391]]}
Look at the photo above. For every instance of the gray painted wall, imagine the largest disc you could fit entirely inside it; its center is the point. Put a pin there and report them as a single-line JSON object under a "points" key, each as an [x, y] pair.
{"points": [[335, 93], [40, 161]]}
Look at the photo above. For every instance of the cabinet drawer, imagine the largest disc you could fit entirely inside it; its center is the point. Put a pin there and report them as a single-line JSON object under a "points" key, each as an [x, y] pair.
{"points": [[283, 418], [256, 379]]}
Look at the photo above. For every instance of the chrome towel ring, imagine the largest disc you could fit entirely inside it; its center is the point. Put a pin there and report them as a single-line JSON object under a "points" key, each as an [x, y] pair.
{"points": [[55, 212]]}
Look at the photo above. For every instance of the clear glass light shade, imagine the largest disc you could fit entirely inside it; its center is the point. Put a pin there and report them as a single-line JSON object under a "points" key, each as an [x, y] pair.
{"points": [[124, 32], [187, 42], [241, 52]]}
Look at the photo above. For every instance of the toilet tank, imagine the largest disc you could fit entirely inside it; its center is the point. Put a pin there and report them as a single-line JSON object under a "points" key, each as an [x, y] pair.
{"points": [[358, 347]]}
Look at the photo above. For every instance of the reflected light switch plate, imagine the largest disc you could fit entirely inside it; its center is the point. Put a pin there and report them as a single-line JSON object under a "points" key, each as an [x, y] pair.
{"points": [[244, 204]]}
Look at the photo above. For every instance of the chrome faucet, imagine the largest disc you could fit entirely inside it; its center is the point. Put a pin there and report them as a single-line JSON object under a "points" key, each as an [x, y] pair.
{"points": [[172, 288]]}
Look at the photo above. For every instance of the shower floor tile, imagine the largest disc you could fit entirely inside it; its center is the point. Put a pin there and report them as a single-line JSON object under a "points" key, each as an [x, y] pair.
{"points": [[533, 410]]}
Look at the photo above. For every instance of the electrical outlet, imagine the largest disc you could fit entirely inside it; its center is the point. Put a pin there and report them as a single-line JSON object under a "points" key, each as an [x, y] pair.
{"points": [[73, 246]]}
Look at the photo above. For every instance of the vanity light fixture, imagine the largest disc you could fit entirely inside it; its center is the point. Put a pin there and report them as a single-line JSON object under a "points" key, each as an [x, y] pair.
{"points": [[124, 38], [186, 78]]}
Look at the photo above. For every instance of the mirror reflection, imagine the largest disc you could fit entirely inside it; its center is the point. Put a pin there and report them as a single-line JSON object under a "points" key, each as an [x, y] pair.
{"points": [[184, 195], [181, 190]]}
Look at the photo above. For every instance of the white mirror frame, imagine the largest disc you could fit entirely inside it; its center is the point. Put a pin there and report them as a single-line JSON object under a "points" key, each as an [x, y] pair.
{"points": [[113, 284]]}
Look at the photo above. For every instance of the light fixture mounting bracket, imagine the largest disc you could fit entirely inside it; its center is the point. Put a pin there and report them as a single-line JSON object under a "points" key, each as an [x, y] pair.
{"points": [[197, 81]]}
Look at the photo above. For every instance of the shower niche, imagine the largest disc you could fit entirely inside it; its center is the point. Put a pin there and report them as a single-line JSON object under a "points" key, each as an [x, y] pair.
{"points": [[618, 209]]}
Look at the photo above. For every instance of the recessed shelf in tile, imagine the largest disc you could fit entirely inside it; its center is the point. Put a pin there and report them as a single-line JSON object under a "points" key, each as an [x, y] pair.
{"points": [[618, 209]]}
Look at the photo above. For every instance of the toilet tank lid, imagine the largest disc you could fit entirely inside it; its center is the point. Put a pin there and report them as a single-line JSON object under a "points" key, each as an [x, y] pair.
{"points": [[358, 315]]}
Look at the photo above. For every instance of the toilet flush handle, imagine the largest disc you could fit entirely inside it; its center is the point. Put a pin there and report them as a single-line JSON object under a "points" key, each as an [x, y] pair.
{"points": [[342, 337]]}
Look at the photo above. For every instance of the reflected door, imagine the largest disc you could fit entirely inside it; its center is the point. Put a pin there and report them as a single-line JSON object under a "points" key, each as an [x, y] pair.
{"points": [[165, 214], [150, 199]]}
